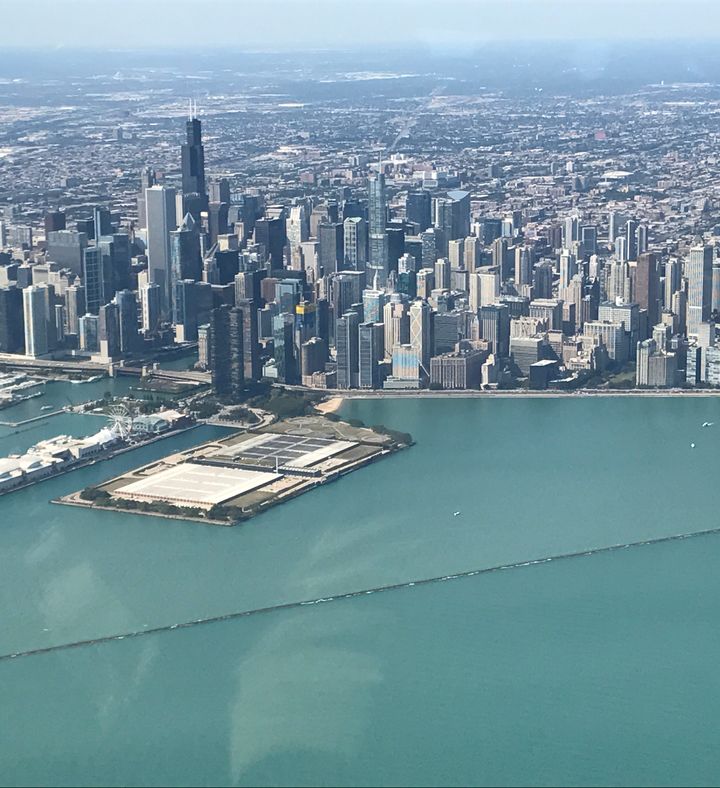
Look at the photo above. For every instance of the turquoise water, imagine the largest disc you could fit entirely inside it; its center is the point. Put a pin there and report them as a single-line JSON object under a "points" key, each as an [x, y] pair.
{"points": [[599, 669]]}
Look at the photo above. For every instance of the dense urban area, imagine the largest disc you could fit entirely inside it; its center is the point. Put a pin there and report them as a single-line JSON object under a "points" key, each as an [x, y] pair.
{"points": [[366, 231]]}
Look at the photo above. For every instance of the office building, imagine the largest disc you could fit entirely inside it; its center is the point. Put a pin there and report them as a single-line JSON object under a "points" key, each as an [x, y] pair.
{"points": [[12, 320], [371, 353], [420, 332], [347, 350], [35, 316], [185, 258], [160, 213], [698, 272], [127, 313]]}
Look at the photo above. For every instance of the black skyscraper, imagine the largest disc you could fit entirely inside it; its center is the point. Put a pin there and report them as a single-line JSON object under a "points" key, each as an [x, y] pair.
{"points": [[418, 210], [193, 168], [12, 323], [251, 348], [226, 351]]}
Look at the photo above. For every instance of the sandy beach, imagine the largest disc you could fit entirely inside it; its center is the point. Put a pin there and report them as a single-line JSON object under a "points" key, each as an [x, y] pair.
{"points": [[330, 405]]}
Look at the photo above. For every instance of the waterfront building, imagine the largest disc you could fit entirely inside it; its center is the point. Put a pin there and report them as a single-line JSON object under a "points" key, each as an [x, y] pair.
{"points": [[525, 351], [458, 369], [612, 336], [12, 320], [647, 285], [699, 272], [396, 319], [371, 353], [420, 332], [35, 315], [347, 347], [447, 332], [286, 362], [655, 367], [251, 347], [313, 355], [226, 351]]}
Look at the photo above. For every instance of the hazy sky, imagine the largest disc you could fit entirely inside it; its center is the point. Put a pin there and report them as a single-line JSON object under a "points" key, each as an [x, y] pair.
{"points": [[337, 24]]}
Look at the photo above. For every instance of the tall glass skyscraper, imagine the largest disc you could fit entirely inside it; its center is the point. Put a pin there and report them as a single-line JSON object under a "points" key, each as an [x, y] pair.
{"points": [[377, 218]]}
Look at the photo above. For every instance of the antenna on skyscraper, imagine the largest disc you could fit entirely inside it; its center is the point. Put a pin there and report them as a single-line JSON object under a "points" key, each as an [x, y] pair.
{"points": [[190, 109]]}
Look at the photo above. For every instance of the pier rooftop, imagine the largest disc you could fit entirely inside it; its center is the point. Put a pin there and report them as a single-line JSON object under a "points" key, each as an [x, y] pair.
{"points": [[228, 480]]}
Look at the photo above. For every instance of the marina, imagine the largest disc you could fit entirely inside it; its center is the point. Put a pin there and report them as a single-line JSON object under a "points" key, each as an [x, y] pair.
{"points": [[64, 453]]}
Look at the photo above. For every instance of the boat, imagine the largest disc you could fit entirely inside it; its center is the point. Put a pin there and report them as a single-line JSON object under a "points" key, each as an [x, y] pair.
{"points": [[692, 445], [46, 407], [455, 514], [708, 423]]}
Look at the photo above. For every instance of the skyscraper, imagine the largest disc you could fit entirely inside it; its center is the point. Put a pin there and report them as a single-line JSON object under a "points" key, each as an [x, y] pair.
{"points": [[36, 321], [355, 243], [298, 231], [698, 270], [12, 325], [127, 320], [226, 351], [495, 328], [377, 223], [185, 259], [418, 210], [347, 346], [286, 361], [151, 304], [93, 279], [371, 352], [160, 210], [193, 168], [647, 285], [109, 330], [331, 246], [251, 348], [420, 332], [185, 310]]}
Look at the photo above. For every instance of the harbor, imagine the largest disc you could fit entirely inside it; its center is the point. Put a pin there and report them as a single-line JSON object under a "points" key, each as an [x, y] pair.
{"points": [[64, 453]]}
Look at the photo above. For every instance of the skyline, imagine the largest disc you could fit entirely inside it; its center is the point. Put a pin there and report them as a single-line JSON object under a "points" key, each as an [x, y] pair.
{"points": [[323, 24]]}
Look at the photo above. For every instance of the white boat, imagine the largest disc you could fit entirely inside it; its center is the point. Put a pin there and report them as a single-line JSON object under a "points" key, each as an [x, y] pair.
{"points": [[692, 445], [708, 423], [456, 514]]}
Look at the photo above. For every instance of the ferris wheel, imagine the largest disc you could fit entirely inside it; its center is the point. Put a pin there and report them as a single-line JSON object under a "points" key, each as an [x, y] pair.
{"points": [[120, 421]]}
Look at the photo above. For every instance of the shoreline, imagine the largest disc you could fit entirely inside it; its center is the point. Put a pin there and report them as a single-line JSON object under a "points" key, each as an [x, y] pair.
{"points": [[336, 398], [331, 405]]}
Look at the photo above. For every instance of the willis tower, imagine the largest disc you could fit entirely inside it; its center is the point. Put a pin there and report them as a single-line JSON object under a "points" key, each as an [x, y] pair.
{"points": [[193, 170]]}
